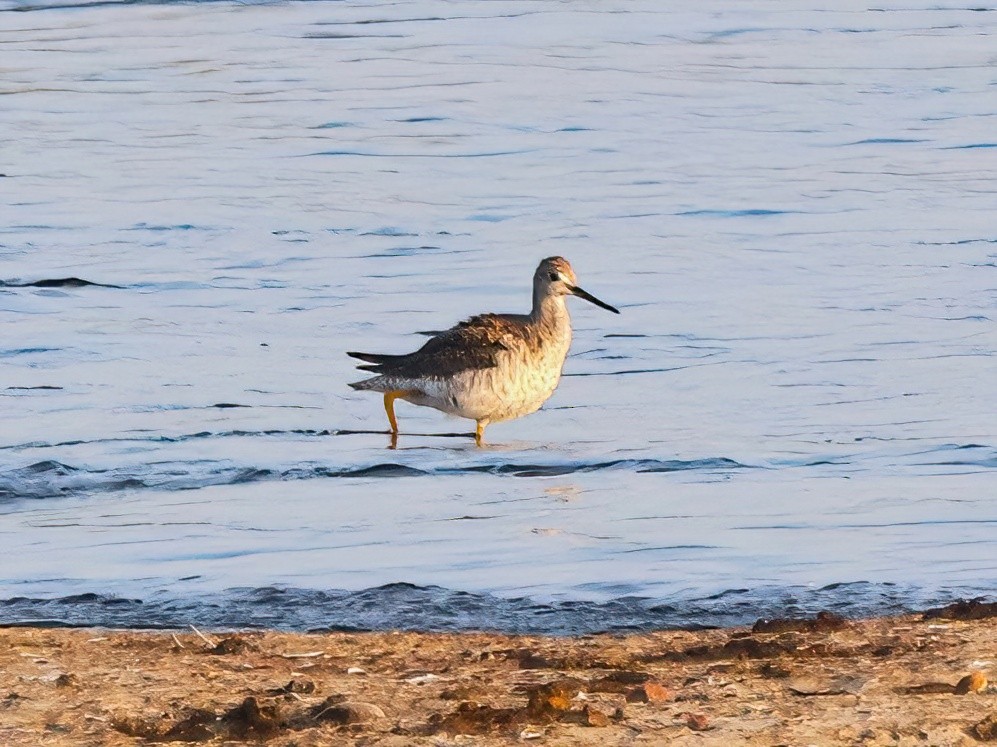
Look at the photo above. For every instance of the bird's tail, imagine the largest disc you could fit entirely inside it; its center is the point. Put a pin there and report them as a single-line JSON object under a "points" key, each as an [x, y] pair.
{"points": [[375, 362], [372, 357]]}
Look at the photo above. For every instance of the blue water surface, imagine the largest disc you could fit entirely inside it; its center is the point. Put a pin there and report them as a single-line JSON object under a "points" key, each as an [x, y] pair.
{"points": [[206, 203]]}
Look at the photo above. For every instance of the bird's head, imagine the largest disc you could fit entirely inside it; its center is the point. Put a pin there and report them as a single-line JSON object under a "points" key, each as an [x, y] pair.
{"points": [[554, 277]]}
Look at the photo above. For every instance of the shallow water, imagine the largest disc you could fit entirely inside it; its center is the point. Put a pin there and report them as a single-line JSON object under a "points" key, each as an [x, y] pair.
{"points": [[792, 207]]}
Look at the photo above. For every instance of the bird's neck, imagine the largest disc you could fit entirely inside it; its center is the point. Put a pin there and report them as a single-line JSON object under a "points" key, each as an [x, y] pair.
{"points": [[550, 311]]}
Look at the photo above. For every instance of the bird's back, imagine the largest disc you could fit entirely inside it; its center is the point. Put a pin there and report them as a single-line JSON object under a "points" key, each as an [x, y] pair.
{"points": [[473, 344]]}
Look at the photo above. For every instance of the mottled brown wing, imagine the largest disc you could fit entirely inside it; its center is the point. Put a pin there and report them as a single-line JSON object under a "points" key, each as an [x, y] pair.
{"points": [[474, 344]]}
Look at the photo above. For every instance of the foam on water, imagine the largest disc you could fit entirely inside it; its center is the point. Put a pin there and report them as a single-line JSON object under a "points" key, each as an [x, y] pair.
{"points": [[206, 203]]}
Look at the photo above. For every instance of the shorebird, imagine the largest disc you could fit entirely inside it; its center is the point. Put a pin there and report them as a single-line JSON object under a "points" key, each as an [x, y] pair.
{"points": [[491, 367]]}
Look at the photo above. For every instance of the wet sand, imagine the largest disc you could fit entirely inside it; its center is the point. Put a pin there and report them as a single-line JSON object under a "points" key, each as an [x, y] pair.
{"points": [[912, 680]]}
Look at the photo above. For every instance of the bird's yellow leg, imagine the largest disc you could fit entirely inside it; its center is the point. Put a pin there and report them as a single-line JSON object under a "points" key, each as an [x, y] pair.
{"points": [[479, 432], [389, 407]]}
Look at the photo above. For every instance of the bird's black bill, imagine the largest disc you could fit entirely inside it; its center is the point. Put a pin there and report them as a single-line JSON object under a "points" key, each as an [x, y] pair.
{"points": [[592, 299]]}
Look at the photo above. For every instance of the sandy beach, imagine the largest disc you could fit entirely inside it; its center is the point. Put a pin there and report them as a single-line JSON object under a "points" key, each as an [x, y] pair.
{"points": [[911, 680]]}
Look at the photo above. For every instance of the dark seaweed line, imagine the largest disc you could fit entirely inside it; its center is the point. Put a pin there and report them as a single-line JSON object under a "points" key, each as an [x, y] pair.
{"points": [[49, 478]]}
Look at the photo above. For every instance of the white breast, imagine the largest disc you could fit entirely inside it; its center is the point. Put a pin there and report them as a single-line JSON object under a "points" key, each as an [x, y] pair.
{"points": [[525, 378]]}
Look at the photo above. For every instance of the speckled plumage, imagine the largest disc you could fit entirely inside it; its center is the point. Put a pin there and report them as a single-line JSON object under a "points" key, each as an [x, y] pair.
{"points": [[492, 367]]}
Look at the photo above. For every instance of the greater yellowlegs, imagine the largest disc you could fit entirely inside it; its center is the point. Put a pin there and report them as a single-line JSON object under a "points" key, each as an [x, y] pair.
{"points": [[490, 368]]}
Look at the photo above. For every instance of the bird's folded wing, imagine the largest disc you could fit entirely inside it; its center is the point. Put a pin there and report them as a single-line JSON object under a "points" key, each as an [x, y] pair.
{"points": [[474, 344]]}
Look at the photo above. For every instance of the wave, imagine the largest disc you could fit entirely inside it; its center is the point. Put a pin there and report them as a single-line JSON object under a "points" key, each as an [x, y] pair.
{"points": [[51, 478], [403, 606], [35, 5]]}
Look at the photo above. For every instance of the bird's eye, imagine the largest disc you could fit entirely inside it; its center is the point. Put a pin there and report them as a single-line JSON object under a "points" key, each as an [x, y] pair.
{"points": [[554, 277]]}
